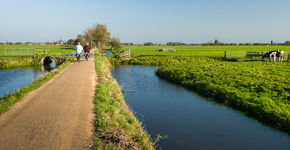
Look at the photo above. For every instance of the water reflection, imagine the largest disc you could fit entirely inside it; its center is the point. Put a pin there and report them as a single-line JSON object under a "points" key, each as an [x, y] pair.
{"points": [[48, 67], [189, 120], [13, 79]]}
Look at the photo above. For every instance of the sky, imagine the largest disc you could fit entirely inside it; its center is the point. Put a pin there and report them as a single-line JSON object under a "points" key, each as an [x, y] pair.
{"points": [[139, 21]]}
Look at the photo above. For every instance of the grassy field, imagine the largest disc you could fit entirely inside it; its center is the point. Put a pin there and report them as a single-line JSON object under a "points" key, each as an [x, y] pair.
{"points": [[116, 126], [27, 50], [213, 51]]}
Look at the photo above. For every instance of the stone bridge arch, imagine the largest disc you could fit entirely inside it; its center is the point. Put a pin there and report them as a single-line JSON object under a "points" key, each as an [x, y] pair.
{"points": [[46, 60]]}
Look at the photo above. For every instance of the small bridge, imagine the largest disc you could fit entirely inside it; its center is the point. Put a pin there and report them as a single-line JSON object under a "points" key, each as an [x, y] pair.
{"points": [[49, 58]]}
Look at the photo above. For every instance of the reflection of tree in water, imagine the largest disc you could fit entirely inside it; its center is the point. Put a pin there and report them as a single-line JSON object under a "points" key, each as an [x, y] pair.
{"points": [[36, 71]]}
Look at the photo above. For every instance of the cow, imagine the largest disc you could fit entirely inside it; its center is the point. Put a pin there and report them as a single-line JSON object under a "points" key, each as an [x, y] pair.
{"points": [[280, 55], [273, 54]]}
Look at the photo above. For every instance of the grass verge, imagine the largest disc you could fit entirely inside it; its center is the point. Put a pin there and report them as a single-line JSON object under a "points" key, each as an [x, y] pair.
{"points": [[15, 62], [116, 127], [9, 100]]}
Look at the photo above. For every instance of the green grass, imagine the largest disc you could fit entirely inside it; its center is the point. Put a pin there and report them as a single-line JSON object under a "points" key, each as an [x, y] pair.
{"points": [[14, 50], [113, 116], [260, 89], [213, 51], [159, 61], [9, 100], [25, 59], [16, 62]]}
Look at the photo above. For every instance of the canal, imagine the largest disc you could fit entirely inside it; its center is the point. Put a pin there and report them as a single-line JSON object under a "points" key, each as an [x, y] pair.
{"points": [[14, 79], [188, 121]]}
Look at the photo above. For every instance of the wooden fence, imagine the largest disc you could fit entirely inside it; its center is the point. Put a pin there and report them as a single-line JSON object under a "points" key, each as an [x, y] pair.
{"points": [[126, 54], [249, 54]]}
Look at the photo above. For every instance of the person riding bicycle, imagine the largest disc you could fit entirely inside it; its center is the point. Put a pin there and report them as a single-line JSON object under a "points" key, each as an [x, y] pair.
{"points": [[87, 49], [79, 49]]}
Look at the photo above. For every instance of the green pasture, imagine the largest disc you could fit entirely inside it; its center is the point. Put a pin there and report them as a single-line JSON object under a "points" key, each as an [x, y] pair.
{"points": [[213, 51], [28, 50], [261, 89]]}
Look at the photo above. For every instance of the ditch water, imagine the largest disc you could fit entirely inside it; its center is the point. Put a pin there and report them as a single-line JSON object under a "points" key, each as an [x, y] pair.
{"points": [[14, 79], [189, 121]]}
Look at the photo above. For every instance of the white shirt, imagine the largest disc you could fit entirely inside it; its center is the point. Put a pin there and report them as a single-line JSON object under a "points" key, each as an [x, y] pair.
{"points": [[79, 49]]}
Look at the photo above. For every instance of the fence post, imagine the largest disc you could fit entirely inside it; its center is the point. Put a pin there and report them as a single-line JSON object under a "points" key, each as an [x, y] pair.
{"points": [[44, 52], [20, 52], [5, 52], [225, 55], [129, 50]]}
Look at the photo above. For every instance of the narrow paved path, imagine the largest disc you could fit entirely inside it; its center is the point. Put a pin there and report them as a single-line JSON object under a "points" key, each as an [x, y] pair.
{"points": [[57, 116]]}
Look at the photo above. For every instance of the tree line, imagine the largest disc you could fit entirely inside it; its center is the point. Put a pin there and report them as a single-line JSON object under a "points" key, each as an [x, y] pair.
{"points": [[216, 43]]}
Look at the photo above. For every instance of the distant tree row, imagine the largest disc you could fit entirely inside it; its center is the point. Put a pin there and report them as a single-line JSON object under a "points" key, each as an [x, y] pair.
{"points": [[216, 43], [128, 44], [287, 43], [175, 43], [60, 42]]}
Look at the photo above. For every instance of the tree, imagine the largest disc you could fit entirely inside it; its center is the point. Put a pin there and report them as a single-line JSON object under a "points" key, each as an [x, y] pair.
{"points": [[116, 46], [100, 35], [89, 36], [287, 43], [70, 42], [81, 39], [148, 44]]}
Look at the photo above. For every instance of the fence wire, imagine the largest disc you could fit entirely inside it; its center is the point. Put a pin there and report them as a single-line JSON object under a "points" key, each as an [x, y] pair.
{"points": [[21, 51]]}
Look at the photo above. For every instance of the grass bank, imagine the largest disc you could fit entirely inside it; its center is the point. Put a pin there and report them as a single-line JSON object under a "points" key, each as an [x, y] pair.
{"points": [[116, 127], [16, 62], [9, 100], [160, 60], [260, 89]]}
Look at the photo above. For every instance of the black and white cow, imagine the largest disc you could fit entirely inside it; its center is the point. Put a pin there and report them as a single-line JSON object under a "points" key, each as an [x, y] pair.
{"points": [[273, 54]]}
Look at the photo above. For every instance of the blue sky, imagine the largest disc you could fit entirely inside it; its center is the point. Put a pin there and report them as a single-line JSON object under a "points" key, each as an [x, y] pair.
{"points": [[138, 21]]}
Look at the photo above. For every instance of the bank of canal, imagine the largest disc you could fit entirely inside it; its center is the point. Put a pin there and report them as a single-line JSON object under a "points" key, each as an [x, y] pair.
{"points": [[14, 79], [189, 120]]}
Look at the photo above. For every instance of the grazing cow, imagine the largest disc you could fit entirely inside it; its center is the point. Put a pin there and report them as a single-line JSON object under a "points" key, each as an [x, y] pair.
{"points": [[273, 54], [280, 55]]}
